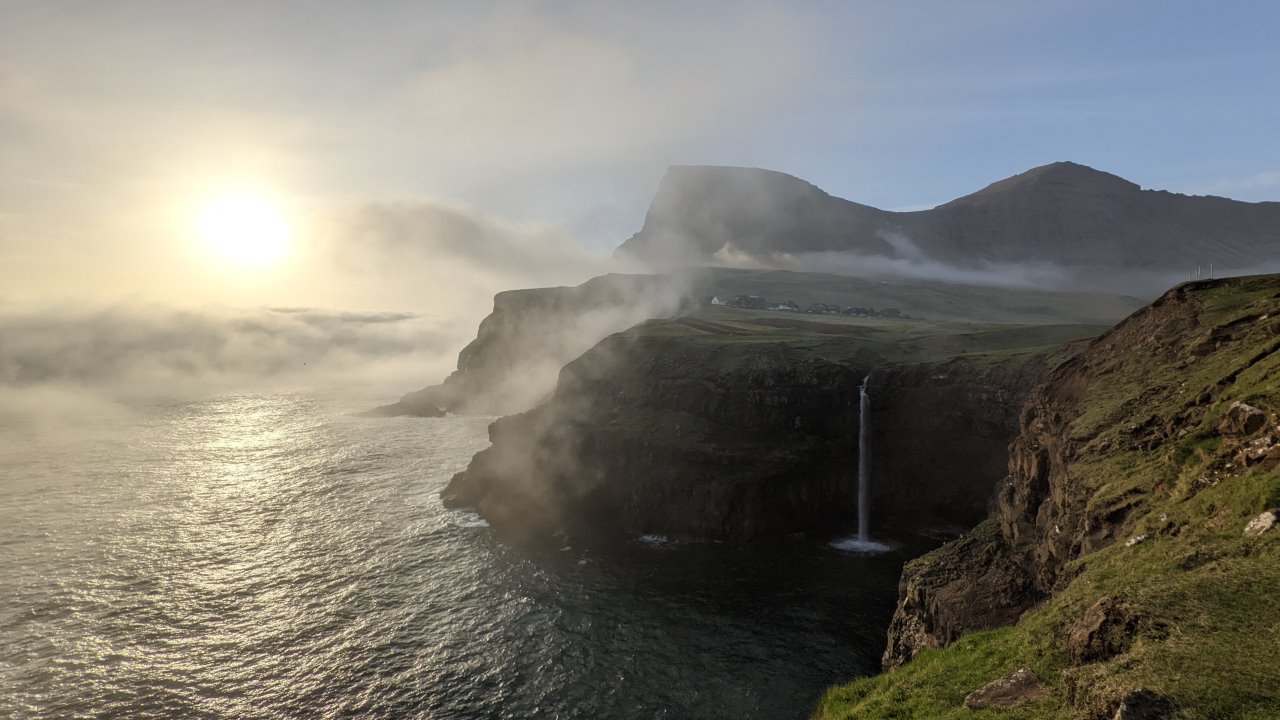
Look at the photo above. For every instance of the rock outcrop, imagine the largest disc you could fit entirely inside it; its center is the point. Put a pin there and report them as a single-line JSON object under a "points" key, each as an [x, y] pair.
{"points": [[969, 584], [1143, 704], [1018, 688], [1263, 523], [1242, 420], [1105, 630], [1121, 394]]}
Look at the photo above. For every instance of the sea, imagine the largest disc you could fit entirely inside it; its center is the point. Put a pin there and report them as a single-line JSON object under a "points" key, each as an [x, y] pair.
{"points": [[277, 555]]}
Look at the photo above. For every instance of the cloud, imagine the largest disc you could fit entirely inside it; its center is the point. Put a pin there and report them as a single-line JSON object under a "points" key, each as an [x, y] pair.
{"points": [[533, 88], [445, 259], [528, 109], [910, 263], [130, 349], [434, 243], [919, 267]]}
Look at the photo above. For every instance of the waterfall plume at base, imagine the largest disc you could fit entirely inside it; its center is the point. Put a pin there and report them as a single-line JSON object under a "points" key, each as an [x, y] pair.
{"points": [[862, 542]]}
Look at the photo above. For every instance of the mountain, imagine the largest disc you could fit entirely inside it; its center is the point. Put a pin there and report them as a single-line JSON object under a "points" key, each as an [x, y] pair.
{"points": [[1062, 225]]}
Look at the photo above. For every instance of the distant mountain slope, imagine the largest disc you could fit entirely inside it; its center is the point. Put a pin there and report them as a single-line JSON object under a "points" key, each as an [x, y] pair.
{"points": [[1072, 225]]}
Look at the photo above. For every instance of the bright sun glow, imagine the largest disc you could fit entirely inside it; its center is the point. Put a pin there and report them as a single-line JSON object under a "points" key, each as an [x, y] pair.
{"points": [[245, 228]]}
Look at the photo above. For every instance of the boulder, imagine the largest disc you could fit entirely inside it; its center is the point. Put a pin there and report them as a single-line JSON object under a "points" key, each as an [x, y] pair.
{"points": [[1143, 704], [1257, 451], [1105, 630], [1262, 523], [1021, 686], [1271, 460], [1242, 420]]}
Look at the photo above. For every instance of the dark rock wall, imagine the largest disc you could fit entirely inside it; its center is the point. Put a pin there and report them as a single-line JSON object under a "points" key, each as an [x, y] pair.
{"points": [[742, 442], [940, 435], [649, 436]]}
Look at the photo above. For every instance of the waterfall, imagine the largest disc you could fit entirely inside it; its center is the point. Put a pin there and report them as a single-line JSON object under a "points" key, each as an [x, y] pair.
{"points": [[864, 462], [862, 542]]}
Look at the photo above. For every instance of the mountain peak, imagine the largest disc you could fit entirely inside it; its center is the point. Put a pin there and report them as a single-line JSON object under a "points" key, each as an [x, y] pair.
{"points": [[1063, 223], [1056, 177]]}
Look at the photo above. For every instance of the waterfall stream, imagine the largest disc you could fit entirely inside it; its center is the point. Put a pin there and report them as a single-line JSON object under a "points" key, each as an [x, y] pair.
{"points": [[862, 542], [864, 462]]}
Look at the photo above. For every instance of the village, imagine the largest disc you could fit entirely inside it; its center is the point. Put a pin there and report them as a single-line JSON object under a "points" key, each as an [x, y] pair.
{"points": [[755, 302]]}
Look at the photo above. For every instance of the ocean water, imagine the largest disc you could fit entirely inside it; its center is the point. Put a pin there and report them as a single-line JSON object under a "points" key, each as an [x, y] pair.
{"points": [[273, 555]]}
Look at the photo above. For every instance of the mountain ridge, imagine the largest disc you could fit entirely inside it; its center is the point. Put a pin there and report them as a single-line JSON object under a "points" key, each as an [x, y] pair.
{"points": [[1077, 226]]}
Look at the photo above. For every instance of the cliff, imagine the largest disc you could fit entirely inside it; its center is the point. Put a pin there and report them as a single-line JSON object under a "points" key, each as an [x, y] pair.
{"points": [[937, 427], [649, 436], [1129, 547], [1062, 224], [696, 429], [521, 346]]}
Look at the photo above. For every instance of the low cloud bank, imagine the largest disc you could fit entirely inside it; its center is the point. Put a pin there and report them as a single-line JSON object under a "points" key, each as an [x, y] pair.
{"points": [[123, 350], [910, 263]]}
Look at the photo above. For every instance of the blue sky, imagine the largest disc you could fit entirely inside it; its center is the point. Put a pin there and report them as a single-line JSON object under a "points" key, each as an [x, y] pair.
{"points": [[1176, 95], [550, 124]]}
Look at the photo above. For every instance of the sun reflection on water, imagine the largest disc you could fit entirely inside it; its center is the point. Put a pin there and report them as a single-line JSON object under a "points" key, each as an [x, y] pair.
{"points": [[266, 556]]}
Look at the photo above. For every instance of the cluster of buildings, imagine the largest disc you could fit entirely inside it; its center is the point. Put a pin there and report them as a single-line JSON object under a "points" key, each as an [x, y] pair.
{"points": [[755, 302]]}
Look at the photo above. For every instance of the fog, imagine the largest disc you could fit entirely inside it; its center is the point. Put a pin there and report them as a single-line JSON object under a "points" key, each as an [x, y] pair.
{"points": [[135, 349], [516, 359]]}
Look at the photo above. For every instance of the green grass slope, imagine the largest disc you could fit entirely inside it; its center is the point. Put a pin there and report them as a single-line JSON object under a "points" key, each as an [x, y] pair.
{"points": [[865, 341], [930, 300], [1205, 595]]}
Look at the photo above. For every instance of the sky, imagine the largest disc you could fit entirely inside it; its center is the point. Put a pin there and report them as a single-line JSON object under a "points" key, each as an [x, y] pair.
{"points": [[426, 155]]}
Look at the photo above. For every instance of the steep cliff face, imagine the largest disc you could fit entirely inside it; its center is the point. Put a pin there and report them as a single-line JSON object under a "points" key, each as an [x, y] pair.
{"points": [[699, 438], [656, 436], [938, 427], [520, 347], [1135, 470]]}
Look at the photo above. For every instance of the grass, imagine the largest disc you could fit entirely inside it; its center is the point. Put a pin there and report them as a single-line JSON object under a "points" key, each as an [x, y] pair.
{"points": [[864, 342], [1209, 634], [930, 300]]}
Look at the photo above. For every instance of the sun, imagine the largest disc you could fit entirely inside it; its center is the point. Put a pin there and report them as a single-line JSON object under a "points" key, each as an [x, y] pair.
{"points": [[245, 228]]}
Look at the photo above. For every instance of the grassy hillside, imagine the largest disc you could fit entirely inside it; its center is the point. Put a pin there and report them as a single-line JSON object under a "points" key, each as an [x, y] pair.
{"points": [[930, 300], [865, 341], [1201, 594]]}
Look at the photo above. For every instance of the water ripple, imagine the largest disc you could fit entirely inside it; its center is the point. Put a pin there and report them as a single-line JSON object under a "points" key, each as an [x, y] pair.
{"points": [[273, 556]]}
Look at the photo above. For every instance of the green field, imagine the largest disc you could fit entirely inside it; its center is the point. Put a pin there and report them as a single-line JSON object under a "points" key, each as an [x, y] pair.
{"points": [[933, 301], [861, 340]]}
